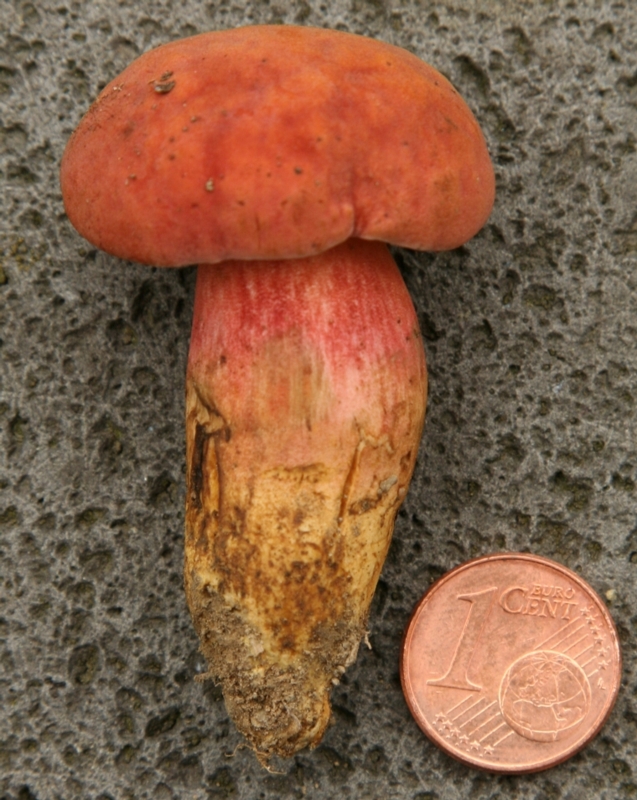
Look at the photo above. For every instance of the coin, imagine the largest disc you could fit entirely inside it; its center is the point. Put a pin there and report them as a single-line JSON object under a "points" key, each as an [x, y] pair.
{"points": [[510, 663]]}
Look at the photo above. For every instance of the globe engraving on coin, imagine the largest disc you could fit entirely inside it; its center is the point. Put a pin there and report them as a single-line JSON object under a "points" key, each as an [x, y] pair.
{"points": [[543, 695], [511, 663]]}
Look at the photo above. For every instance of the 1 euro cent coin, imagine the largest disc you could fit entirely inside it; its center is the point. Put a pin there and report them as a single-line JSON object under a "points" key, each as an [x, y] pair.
{"points": [[511, 663]]}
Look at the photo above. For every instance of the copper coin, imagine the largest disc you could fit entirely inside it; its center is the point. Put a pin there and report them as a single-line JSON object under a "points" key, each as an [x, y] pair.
{"points": [[511, 663]]}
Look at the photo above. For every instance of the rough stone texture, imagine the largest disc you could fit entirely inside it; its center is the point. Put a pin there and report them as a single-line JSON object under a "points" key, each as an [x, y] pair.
{"points": [[530, 442]]}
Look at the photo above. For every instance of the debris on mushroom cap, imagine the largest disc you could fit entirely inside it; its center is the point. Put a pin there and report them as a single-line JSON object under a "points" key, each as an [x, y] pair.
{"points": [[307, 136]]}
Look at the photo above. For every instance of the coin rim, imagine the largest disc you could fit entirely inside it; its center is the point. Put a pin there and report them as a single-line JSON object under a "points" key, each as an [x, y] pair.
{"points": [[428, 729]]}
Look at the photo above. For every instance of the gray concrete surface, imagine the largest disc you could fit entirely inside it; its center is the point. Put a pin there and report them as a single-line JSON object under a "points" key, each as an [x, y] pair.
{"points": [[530, 444]]}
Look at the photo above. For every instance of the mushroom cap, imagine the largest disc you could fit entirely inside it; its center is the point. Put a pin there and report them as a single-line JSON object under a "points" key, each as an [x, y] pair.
{"points": [[271, 142]]}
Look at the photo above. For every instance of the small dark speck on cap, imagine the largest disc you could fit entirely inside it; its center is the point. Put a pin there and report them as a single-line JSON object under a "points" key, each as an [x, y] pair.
{"points": [[164, 88], [298, 170]]}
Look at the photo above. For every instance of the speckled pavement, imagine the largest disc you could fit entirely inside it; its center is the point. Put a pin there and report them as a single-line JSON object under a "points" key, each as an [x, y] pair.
{"points": [[530, 442]]}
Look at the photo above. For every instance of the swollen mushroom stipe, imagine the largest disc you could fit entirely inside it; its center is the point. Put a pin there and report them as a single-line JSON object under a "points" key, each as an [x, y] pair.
{"points": [[272, 156]]}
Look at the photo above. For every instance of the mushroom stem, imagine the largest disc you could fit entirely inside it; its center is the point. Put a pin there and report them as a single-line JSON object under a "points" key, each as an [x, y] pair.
{"points": [[306, 394]]}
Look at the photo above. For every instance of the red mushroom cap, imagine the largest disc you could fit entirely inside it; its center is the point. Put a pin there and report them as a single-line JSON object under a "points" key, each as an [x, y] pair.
{"points": [[272, 142]]}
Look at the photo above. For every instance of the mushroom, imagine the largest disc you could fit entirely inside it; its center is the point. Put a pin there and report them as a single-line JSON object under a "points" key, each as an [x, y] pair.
{"points": [[280, 159]]}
